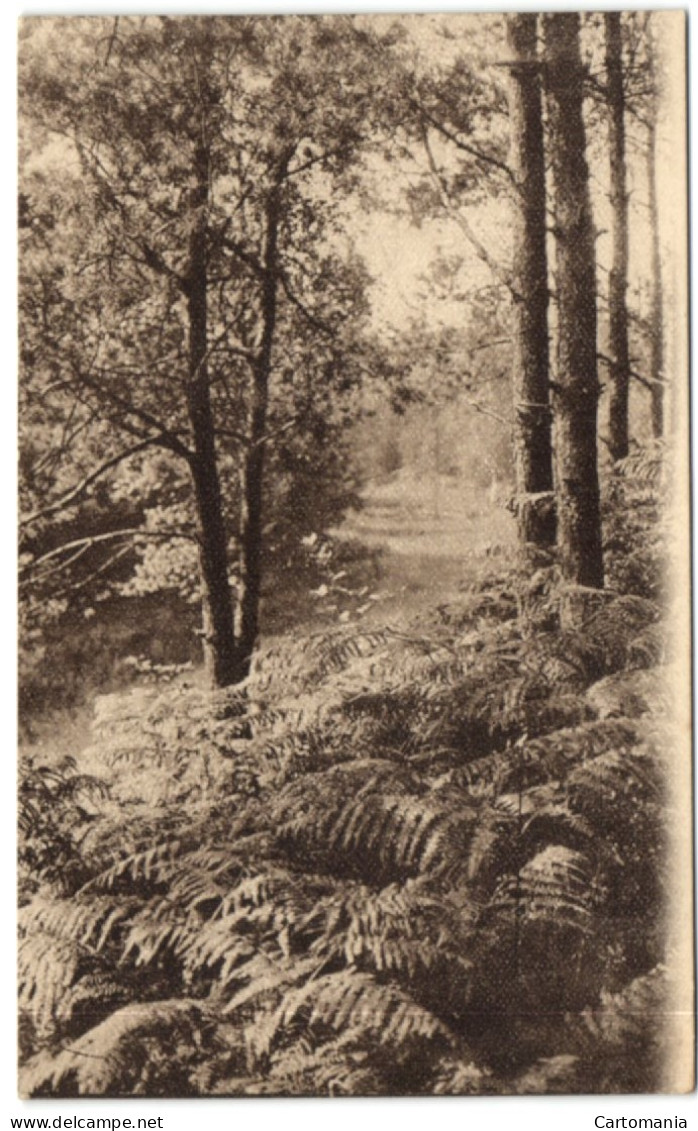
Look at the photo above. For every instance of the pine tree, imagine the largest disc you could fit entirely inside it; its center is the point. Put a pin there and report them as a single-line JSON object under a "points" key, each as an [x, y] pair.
{"points": [[577, 386], [618, 280], [533, 445]]}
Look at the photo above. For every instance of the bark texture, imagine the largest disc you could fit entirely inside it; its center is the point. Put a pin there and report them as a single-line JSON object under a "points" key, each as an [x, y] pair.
{"points": [[221, 657], [618, 280], [532, 435], [252, 473], [577, 387]]}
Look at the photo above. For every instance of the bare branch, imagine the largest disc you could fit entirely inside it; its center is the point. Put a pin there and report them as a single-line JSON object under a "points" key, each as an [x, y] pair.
{"points": [[311, 318], [84, 581], [164, 437], [155, 262], [242, 254], [472, 150], [112, 41], [648, 382], [482, 252], [79, 489], [315, 161], [482, 409], [82, 545]]}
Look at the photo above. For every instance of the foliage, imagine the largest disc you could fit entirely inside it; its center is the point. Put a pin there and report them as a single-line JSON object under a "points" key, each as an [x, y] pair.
{"points": [[123, 439], [638, 523]]}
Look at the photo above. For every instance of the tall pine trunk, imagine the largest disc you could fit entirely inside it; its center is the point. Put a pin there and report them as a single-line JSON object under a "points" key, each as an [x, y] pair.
{"points": [[618, 281], [577, 388], [532, 435], [656, 318], [252, 474], [221, 657]]}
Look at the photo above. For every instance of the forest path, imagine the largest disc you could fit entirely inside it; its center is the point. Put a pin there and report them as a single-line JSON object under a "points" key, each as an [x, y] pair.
{"points": [[432, 534]]}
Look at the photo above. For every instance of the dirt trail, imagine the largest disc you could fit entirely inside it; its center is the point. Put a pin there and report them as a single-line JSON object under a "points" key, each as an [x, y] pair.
{"points": [[431, 533]]}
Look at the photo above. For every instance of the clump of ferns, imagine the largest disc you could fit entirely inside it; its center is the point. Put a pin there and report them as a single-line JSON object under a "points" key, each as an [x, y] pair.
{"points": [[616, 1049], [383, 884], [470, 694], [57, 806], [637, 526], [304, 950]]}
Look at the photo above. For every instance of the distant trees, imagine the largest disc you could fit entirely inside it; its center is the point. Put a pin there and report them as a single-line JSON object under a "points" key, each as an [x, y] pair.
{"points": [[455, 115], [629, 73]]}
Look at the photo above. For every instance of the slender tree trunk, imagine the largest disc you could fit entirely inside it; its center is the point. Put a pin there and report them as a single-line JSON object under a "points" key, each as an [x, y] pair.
{"points": [[220, 653], [532, 436], [577, 388], [657, 294], [618, 281], [252, 474]]}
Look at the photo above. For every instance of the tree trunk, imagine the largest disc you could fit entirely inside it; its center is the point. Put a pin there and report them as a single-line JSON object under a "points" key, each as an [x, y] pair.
{"points": [[577, 388], [657, 297], [532, 435], [252, 473], [220, 653], [618, 281]]}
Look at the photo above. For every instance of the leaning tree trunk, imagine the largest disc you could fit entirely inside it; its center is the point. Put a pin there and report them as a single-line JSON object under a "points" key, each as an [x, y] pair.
{"points": [[618, 280], [577, 388], [252, 473], [532, 435], [656, 318], [220, 653]]}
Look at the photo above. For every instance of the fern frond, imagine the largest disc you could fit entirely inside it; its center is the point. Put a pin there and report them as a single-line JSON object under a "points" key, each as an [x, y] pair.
{"points": [[354, 1003], [96, 994], [626, 1014], [266, 978], [548, 758], [652, 647], [551, 1075], [631, 694], [47, 968], [613, 630], [461, 1077], [151, 865], [397, 930], [625, 775], [644, 464], [88, 923], [556, 886], [621, 1042], [377, 834], [312, 659], [331, 1070], [123, 1055]]}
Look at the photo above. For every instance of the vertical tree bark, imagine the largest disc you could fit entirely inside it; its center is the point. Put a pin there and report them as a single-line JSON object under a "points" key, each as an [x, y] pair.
{"points": [[577, 388], [532, 435], [220, 653], [252, 473], [618, 281], [657, 295]]}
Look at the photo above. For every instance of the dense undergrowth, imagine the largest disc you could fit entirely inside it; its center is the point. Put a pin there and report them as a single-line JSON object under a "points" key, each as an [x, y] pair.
{"points": [[101, 646], [426, 858]]}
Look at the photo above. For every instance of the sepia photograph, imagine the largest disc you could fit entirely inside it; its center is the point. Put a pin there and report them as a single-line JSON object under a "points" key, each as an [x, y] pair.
{"points": [[354, 601]]}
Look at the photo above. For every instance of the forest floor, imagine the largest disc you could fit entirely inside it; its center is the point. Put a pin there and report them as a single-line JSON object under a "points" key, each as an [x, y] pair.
{"points": [[341, 879], [420, 540]]}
